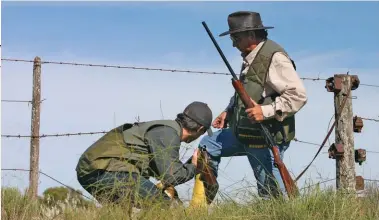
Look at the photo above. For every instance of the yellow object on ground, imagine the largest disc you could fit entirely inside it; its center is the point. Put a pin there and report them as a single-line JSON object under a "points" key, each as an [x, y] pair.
{"points": [[198, 194]]}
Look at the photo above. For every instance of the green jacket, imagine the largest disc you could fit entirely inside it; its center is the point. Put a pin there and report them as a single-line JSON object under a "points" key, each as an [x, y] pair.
{"points": [[148, 148], [254, 80]]}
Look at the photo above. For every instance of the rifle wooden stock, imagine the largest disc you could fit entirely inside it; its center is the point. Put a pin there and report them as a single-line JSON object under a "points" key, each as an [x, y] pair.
{"points": [[289, 184]]}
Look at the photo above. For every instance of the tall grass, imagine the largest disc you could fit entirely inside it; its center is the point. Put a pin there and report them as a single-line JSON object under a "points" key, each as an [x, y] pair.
{"points": [[315, 204]]}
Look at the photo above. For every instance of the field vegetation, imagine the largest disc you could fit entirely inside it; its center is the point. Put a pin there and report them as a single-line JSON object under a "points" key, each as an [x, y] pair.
{"points": [[61, 203]]}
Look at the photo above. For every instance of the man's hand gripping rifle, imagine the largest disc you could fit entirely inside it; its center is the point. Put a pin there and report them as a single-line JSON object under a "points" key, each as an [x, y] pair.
{"points": [[289, 184]]}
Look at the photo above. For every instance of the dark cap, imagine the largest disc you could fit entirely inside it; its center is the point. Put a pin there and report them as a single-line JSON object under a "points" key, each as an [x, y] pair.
{"points": [[201, 113]]}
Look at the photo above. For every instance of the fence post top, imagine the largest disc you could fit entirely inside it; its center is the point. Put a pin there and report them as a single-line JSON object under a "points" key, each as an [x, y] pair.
{"points": [[37, 59]]}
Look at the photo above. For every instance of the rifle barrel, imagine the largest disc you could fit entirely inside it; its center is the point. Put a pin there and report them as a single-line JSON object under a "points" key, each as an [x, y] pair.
{"points": [[219, 50]]}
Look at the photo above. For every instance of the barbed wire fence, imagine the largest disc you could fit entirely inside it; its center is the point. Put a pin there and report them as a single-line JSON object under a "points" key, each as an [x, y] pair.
{"points": [[151, 69], [35, 136]]}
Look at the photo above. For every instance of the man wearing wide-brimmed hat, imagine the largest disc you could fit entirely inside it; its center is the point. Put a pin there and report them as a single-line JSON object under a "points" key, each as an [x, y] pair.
{"points": [[270, 78]]}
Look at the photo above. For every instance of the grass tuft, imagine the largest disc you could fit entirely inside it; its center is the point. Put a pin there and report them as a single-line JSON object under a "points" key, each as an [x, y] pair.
{"points": [[316, 204]]}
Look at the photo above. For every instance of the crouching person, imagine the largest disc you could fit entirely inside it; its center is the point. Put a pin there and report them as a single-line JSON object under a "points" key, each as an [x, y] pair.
{"points": [[117, 167]]}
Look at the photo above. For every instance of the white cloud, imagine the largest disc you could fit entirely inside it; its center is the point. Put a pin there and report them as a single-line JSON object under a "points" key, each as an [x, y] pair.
{"points": [[92, 99]]}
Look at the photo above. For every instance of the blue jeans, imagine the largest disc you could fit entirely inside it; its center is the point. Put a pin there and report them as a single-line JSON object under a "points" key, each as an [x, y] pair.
{"points": [[224, 143], [122, 186]]}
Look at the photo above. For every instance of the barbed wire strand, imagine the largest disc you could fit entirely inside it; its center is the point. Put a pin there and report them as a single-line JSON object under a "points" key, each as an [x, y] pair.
{"points": [[133, 67], [370, 119], [104, 132], [147, 68], [363, 84], [306, 142], [52, 178], [53, 135], [325, 181], [117, 66], [328, 180], [20, 101], [311, 143], [78, 192], [374, 152], [9, 100]]}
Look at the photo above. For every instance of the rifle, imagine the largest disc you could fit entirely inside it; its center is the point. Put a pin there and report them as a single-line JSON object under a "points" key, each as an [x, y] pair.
{"points": [[289, 184]]}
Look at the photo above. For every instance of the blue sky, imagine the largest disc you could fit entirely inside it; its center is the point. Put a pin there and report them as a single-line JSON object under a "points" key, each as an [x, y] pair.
{"points": [[95, 29], [322, 37]]}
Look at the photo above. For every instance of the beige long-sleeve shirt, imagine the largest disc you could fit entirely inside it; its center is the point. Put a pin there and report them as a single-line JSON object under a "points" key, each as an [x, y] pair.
{"points": [[283, 79]]}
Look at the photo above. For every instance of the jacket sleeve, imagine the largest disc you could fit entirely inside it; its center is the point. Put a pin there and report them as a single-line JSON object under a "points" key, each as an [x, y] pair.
{"points": [[284, 79], [164, 144]]}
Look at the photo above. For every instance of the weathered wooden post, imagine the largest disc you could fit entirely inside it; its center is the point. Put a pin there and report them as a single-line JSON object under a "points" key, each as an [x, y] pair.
{"points": [[343, 148], [35, 126]]}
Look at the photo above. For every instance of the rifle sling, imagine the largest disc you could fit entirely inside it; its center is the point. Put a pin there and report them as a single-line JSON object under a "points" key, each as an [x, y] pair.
{"points": [[327, 136]]}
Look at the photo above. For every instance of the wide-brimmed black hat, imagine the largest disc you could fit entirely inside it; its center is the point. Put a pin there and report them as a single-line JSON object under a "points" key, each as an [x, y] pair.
{"points": [[244, 21]]}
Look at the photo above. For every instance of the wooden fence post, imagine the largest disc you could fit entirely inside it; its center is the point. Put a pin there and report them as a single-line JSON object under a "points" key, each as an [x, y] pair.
{"points": [[344, 136], [35, 126]]}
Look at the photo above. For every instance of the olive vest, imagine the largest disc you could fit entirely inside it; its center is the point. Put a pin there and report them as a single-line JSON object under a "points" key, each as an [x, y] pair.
{"points": [[124, 148], [253, 81]]}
